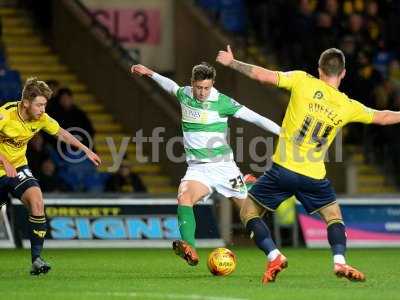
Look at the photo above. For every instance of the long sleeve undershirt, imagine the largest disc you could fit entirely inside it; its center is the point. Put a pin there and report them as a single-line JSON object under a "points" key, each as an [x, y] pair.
{"points": [[250, 116], [243, 113]]}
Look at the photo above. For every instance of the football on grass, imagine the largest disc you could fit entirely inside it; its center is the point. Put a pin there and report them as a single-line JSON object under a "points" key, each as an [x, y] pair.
{"points": [[221, 262]]}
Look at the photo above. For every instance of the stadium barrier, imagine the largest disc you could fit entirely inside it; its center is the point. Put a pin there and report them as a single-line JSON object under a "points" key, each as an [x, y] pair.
{"points": [[116, 223], [370, 222], [6, 236]]}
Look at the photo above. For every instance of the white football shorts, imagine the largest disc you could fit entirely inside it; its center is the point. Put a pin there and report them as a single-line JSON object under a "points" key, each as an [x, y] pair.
{"points": [[223, 177]]}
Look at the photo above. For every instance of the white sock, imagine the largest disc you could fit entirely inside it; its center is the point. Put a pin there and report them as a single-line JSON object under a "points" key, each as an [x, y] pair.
{"points": [[339, 259], [273, 254]]}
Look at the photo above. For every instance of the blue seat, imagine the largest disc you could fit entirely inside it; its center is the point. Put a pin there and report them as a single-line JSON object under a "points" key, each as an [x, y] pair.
{"points": [[10, 85], [233, 16]]}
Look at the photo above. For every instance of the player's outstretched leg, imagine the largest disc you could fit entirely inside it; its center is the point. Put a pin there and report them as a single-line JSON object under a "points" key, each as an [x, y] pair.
{"points": [[39, 266], [186, 251], [262, 237], [273, 268], [250, 216]]}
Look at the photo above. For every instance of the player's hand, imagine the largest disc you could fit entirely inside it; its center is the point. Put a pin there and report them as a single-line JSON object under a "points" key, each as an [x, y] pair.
{"points": [[225, 57], [9, 168], [141, 70], [94, 158]]}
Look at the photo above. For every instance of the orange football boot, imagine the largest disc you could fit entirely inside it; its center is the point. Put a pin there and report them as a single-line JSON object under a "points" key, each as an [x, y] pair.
{"points": [[352, 274], [273, 268], [187, 252], [249, 179]]}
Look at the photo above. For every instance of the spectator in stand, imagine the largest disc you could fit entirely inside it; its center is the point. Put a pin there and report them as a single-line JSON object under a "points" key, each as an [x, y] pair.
{"points": [[49, 180], [366, 30], [386, 146], [125, 181], [79, 175], [382, 58], [394, 74], [325, 33], [69, 115], [332, 8], [38, 152], [393, 25], [364, 83], [260, 21], [302, 43], [348, 46], [367, 79], [353, 6], [355, 28], [374, 23], [55, 86]]}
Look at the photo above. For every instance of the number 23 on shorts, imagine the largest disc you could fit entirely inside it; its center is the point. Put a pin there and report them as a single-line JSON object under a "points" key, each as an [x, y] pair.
{"points": [[237, 183]]}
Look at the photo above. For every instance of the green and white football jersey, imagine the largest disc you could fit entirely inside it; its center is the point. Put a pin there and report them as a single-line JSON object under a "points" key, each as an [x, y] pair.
{"points": [[205, 125]]}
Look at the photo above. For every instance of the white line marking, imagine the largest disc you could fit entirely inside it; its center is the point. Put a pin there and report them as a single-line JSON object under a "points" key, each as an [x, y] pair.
{"points": [[164, 296]]}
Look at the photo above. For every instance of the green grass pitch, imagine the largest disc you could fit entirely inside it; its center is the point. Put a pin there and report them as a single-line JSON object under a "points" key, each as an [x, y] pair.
{"points": [[159, 274]]}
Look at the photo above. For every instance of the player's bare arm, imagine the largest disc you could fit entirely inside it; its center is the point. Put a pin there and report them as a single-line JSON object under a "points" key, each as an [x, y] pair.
{"points": [[8, 167], [260, 74], [68, 138], [386, 117]]}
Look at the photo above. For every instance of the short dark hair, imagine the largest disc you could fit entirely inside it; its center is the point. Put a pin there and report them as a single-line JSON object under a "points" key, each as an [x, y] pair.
{"points": [[203, 71], [332, 62], [33, 88], [64, 91]]}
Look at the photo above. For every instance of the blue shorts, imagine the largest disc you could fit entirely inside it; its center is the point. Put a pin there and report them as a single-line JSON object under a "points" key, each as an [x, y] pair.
{"points": [[278, 184], [17, 185]]}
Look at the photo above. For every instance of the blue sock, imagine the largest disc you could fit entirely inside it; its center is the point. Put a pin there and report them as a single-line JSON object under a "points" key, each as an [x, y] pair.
{"points": [[262, 235], [337, 238]]}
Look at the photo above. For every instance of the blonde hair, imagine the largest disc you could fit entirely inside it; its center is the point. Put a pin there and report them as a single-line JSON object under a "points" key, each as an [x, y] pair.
{"points": [[34, 87]]}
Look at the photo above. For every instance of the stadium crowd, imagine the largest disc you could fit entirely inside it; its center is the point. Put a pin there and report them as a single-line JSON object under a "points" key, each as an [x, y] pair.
{"points": [[297, 31], [366, 31], [57, 168], [61, 170]]}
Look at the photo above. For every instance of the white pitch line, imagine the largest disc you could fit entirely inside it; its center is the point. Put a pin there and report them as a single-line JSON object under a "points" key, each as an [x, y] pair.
{"points": [[164, 296]]}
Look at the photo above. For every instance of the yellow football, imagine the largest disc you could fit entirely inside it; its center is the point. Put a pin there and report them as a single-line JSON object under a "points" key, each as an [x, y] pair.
{"points": [[221, 262]]}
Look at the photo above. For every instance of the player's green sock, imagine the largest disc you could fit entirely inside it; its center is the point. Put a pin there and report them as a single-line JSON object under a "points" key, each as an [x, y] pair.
{"points": [[187, 224]]}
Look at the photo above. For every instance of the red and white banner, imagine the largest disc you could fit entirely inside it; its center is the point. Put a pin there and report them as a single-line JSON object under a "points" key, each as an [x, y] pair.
{"points": [[144, 27], [130, 25]]}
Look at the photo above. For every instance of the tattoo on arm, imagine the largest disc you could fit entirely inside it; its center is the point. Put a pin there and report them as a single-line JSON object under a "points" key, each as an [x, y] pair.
{"points": [[244, 68]]}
